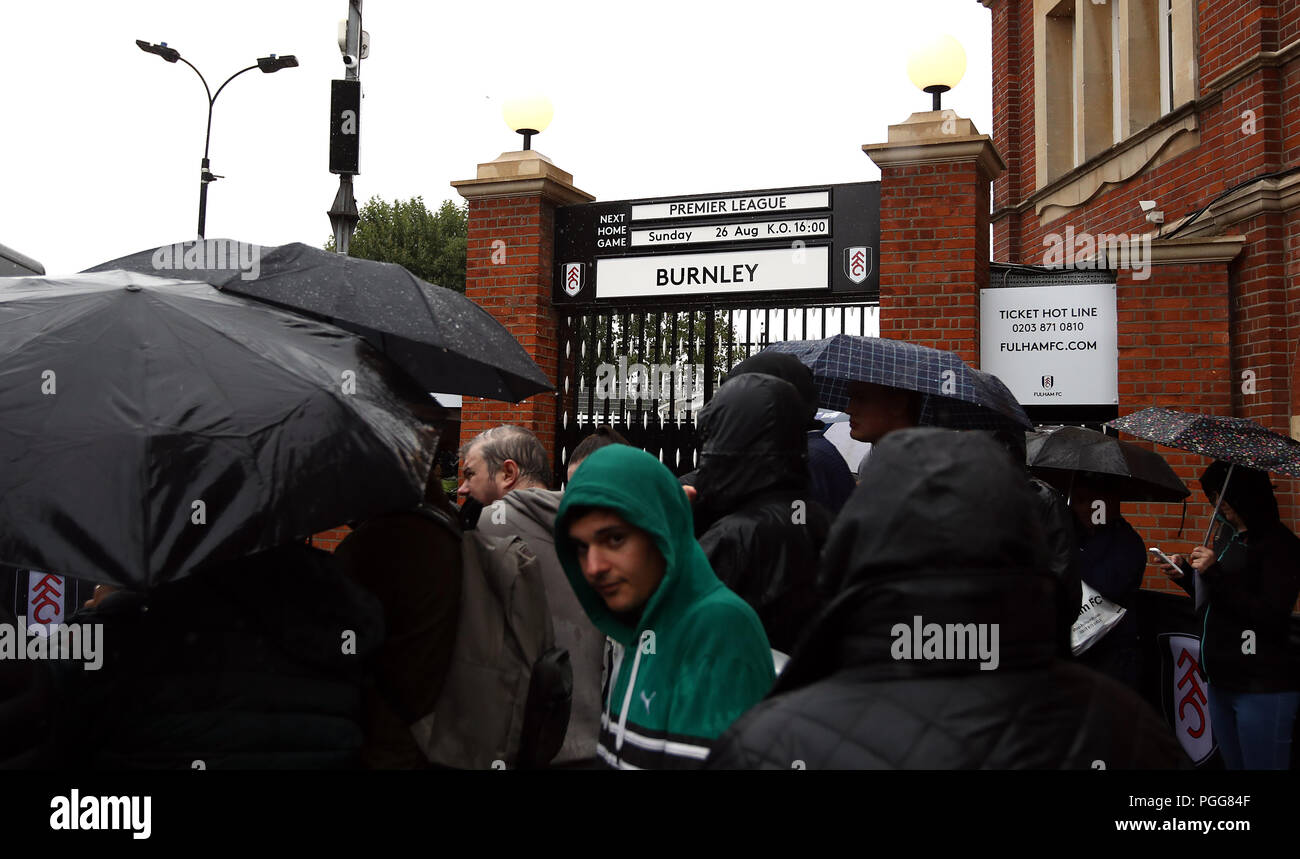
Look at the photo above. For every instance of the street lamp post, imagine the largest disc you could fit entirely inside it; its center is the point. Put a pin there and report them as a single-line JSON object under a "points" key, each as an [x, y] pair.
{"points": [[268, 65]]}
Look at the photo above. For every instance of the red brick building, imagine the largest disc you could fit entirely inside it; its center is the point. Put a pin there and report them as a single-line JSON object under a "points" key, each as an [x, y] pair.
{"points": [[1100, 104]]}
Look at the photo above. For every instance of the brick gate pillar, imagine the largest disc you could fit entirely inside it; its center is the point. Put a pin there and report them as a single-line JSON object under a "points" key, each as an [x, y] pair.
{"points": [[935, 171], [508, 273]]}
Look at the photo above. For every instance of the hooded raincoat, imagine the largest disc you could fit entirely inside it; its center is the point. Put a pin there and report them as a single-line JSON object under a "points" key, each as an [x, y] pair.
{"points": [[1250, 589], [764, 543], [697, 657], [940, 651]]}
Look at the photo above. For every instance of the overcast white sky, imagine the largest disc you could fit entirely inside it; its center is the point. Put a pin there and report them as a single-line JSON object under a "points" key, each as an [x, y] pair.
{"points": [[102, 141]]}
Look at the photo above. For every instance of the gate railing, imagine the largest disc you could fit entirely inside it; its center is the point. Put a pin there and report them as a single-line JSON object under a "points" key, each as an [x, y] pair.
{"points": [[647, 368]]}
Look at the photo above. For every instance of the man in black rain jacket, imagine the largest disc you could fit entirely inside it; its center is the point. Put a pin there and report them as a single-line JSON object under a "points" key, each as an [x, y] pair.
{"points": [[952, 546], [765, 532]]}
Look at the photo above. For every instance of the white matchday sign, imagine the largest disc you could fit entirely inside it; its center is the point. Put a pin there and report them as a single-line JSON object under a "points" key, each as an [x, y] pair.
{"points": [[692, 274], [1052, 345], [697, 234], [733, 205]]}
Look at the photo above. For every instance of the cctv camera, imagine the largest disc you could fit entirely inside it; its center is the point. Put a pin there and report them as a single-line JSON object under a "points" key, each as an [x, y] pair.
{"points": [[349, 60], [1156, 217], [1147, 205]]}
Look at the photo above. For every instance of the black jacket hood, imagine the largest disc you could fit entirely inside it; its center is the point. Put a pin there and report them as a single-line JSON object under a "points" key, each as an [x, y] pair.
{"points": [[1249, 492], [754, 440], [942, 527], [785, 366]]}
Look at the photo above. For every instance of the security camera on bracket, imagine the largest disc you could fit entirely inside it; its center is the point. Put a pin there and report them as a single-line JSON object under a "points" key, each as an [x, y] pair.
{"points": [[1154, 215], [350, 60]]}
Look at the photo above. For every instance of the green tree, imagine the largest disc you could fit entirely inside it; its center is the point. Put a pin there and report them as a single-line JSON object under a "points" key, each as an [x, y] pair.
{"points": [[431, 245]]}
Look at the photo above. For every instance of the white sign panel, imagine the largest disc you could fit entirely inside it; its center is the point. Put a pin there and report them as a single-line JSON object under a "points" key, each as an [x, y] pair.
{"points": [[733, 206], [1052, 345], [696, 234], [694, 274]]}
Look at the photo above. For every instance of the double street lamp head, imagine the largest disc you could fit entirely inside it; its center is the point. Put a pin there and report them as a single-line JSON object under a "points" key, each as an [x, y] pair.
{"points": [[268, 65], [171, 55], [272, 64]]}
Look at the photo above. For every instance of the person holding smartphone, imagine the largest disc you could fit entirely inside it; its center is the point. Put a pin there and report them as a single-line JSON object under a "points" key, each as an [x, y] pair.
{"points": [[1250, 581]]}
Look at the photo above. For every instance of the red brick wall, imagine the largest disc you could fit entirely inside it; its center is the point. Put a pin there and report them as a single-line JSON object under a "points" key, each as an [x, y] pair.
{"points": [[1188, 333], [1173, 351], [934, 254], [1288, 24], [1232, 31], [329, 540], [517, 291], [1226, 156], [1013, 114]]}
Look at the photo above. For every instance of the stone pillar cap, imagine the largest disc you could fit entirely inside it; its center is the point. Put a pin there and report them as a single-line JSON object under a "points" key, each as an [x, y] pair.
{"points": [[934, 136], [522, 172]]}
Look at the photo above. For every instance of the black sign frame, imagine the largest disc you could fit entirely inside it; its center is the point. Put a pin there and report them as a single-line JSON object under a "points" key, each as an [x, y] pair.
{"points": [[581, 237]]}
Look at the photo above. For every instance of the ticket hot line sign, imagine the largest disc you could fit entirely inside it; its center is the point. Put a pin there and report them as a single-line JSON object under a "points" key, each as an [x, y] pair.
{"points": [[824, 238]]}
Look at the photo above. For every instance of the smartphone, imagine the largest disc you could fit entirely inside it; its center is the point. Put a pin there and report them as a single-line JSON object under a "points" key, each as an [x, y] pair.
{"points": [[1168, 560]]}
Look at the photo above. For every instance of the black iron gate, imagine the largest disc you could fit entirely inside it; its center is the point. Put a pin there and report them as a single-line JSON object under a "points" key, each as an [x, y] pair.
{"points": [[646, 367]]}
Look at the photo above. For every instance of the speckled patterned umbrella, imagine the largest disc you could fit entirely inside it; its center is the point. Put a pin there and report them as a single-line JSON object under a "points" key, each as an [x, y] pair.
{"points": [[1235, 440], [1238, 441]]}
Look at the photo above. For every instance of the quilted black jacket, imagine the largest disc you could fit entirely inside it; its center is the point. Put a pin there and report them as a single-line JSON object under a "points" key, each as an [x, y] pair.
{"points": [[942, 531]]}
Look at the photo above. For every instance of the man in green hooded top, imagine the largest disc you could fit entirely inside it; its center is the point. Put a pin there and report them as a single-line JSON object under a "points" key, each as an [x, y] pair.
{"points": [[688, 655]]}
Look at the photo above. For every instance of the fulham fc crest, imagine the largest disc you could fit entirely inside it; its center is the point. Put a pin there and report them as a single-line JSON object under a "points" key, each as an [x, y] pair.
{"points": [[1185, 694], [573, 279], [857, 263]]}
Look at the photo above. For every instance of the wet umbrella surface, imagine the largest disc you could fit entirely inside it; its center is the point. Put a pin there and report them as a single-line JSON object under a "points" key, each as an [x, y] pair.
{"points": [[957, 396], [1236, 440], [151, 425], [442, 339], [1132, 472]]}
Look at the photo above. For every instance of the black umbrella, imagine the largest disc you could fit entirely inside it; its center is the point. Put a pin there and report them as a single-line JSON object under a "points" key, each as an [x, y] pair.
{"points": [[445, 341], [1132, 472], [954, 396], [152, 425]]}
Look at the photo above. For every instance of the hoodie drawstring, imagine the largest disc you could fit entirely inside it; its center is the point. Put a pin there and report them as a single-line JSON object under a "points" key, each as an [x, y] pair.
{"points": [[627, 703]]}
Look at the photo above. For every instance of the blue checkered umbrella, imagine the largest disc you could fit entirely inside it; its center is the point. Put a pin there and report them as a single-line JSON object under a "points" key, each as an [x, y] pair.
{"points": [[956, 395]]}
